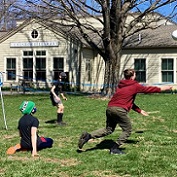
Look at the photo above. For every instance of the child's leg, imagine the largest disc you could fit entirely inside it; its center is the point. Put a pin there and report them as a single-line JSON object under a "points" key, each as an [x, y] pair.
{"points": [[46, 143]]}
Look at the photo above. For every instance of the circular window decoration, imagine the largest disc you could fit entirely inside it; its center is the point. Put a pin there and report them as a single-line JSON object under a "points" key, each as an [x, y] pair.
{"points": [[34, 34]]}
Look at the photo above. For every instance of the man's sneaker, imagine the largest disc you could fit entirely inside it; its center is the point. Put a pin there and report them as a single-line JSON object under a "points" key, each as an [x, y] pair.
{"points": [[116, 151], [83, 139], [13, 149]]}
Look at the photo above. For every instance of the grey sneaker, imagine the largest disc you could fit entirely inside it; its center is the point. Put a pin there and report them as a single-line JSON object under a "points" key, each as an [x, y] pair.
{"points": [[83, 139], [115, 150]]}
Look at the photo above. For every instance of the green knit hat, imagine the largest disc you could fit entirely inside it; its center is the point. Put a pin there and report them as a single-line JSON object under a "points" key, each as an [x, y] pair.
{"points": [[26, 107]]}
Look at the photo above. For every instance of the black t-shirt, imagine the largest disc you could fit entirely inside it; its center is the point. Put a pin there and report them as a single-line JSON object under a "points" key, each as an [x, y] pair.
{"points": [[24, 125], [58, 89]]}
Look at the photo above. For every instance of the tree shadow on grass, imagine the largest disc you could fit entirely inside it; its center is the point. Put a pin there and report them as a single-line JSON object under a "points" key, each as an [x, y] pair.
{"points": [[107, 144]]}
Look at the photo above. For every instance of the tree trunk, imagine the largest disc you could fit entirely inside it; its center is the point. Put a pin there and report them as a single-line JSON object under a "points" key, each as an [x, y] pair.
{"points": [[112, 71]]}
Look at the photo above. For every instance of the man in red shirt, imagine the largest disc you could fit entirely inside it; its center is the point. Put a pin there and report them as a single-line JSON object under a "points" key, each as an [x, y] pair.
{"points": [[117, 111]]}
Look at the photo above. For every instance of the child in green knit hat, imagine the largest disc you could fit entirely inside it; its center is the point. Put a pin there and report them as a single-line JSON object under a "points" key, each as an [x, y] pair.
{"points": [[28, 126], [27, 107]]}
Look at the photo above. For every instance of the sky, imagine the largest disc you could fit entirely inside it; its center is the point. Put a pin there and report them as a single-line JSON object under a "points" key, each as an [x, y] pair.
{"points": [[165, 10]]}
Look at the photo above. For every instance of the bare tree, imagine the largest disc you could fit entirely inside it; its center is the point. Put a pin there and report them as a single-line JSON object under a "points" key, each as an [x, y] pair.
{"points": [[10, 12], [114, 28]]}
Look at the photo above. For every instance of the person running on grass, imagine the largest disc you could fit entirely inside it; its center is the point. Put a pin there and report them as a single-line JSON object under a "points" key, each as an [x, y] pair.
{"points": [[28, 127], [55, 92], [117, 110]]}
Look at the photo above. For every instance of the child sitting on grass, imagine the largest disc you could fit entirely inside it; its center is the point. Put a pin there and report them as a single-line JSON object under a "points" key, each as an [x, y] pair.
{"points": [[27, 126]]}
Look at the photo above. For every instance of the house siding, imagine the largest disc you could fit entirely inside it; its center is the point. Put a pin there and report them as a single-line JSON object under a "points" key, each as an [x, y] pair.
{"points": [[153, 62], [75, 58], [85, 67], [65, 49]]}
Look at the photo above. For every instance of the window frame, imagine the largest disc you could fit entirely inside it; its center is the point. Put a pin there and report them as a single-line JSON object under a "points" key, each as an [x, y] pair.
{"points": [[141, 71], [11, 71], [57, 70], [168, 71]]}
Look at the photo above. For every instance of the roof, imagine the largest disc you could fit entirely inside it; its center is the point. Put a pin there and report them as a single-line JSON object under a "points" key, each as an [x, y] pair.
{"points": [[153, 38], [2, 33], [26, 23], [149, 38]]}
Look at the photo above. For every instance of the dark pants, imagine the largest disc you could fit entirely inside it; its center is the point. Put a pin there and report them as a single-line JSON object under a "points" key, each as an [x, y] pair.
{"points": [[46, 143], [114, 116]]}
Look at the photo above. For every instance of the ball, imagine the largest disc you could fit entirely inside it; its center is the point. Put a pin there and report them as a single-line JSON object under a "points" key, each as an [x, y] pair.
{"points": [[174, 35]]}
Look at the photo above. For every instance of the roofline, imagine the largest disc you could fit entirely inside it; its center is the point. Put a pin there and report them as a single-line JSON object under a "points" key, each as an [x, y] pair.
{"points": [[152, 47]]}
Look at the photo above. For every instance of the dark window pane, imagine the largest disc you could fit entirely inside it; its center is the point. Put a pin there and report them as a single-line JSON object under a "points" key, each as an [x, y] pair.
{"points": [[58, 63], [41, 75], [40, 63], [140, 68], [167, 70], [11, 75], [27, 53], [167, 76], [170, 64], [11, 63], [164, 64], [28, 74], [11, 69], [34, 34], [27, 63], [41, 53]]}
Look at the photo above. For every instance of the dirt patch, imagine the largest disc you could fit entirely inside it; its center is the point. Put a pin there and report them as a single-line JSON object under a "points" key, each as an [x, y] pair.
{"points": [[2, 171], [9, 136], [107, 174], [98, 96], [62, 162]]}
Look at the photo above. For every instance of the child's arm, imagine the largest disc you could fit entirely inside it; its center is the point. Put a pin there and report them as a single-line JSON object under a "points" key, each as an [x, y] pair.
{"points": [[34, 141]]}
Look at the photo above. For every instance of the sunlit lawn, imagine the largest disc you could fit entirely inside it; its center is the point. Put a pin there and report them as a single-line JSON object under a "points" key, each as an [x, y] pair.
{"points": [[151, 151]]}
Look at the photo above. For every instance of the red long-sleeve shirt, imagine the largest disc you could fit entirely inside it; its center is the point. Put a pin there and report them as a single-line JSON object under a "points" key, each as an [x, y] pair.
{"points": [[126, 92]]}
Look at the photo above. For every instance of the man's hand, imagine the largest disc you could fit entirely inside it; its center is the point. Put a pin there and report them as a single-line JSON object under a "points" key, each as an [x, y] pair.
{"points": [[166, 87], [144, 113], [64, 98]]}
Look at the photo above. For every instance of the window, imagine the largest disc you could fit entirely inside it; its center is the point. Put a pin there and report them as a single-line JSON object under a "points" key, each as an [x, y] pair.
{"points": [[140, 68], [41, 65], [34, 34], [28, 68], [41, 68], [27, 53], [28, 65], [41, 53], [11, 69], [58, 66], [167, 70]]}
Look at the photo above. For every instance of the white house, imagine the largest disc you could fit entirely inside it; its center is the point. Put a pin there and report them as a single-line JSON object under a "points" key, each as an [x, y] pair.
{"points": [[36, 52]]}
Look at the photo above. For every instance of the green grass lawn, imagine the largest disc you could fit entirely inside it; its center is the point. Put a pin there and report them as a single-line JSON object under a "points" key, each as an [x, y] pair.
{"points": [[151, 150]]}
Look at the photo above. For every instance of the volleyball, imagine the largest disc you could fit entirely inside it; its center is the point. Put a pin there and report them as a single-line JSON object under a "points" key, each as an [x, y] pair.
{"points": [[174, 35]]}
